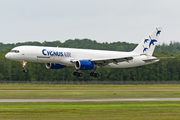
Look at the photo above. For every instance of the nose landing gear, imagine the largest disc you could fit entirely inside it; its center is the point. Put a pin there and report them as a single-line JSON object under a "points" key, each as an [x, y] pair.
{"points": [[24, 66]]}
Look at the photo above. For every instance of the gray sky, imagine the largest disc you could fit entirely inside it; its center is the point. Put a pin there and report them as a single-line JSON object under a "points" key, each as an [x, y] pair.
{"points": [[100, 20]]}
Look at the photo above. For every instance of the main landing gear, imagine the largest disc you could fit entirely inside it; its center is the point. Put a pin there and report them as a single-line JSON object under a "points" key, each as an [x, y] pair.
{"points": [[24, 66], [93, 74], [78, 74]]}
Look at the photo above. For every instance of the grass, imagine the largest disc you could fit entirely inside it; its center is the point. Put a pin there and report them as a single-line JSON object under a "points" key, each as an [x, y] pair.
{"points": [[91, 110], [126, 91], [154, 110], [86, 87], [86, 94]]}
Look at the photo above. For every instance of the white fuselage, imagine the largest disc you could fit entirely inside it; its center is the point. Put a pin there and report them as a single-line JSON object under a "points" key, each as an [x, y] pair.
{"points": [[64, 56]]}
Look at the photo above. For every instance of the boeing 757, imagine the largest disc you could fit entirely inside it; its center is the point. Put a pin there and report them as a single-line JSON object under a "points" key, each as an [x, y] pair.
{"points": [[84, 59]]}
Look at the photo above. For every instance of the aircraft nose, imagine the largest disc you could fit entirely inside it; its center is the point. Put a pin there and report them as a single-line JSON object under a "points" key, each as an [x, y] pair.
{"points": [[8, 56]]}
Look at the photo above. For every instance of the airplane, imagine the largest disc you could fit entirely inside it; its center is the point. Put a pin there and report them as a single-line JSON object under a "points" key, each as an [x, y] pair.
{"points": [[85, 59]]}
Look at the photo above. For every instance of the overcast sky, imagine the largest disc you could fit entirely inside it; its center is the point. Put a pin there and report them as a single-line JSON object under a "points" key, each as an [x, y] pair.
{"points": [[100, 20]]}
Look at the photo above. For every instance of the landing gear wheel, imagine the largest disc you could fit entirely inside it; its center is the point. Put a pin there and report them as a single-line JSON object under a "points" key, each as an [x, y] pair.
{"points": [[25, 71], [96, 75], [75, 73], [92, 74], [78, 74]]}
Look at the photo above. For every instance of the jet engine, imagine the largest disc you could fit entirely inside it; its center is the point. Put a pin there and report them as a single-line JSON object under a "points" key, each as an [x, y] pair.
{"points": [[84, 65], [54, 66]]}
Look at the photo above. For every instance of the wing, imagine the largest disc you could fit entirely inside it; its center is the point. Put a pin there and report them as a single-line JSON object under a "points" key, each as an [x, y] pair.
{"points": [[106, 61]]}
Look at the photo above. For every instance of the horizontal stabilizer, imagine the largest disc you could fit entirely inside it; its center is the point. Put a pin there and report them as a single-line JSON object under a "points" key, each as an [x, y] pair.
{"points": [[165, 57], [152, 59]]}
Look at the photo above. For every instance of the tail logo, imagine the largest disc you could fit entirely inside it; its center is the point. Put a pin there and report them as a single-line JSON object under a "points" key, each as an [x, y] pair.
{"points": [[147, 45], [146, 40], [158, 32], [144, 49], [152, 41]]}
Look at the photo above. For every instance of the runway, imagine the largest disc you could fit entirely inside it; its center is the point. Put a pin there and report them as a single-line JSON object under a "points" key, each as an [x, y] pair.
{"points": [[89, 100]]}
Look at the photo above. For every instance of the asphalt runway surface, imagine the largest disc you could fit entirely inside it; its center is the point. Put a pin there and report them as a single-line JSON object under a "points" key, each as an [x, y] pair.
{"points": [[89, 100]]}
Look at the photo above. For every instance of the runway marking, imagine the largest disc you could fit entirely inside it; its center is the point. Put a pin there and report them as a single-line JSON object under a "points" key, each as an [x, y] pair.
{"points": [[88, 90], [89, 100]]}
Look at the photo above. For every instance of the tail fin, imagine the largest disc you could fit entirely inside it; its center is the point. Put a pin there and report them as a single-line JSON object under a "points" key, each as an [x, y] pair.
{"points": [[147, 45]]}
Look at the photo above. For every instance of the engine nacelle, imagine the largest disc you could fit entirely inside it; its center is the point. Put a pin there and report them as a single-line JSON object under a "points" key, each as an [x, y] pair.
{"points": [[84, 65], [55, 66]]}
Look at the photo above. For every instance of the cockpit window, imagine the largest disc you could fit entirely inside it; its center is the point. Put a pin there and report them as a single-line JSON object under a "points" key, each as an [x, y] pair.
{"points": [[15, 51]]}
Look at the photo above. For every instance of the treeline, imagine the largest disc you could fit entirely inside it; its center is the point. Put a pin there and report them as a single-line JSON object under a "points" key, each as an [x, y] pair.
{"points": [[172, 47], [167, 69]]}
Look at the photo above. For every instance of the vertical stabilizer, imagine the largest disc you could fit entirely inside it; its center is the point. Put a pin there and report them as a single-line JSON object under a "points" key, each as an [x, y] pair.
{"points": [[147, 45]]}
